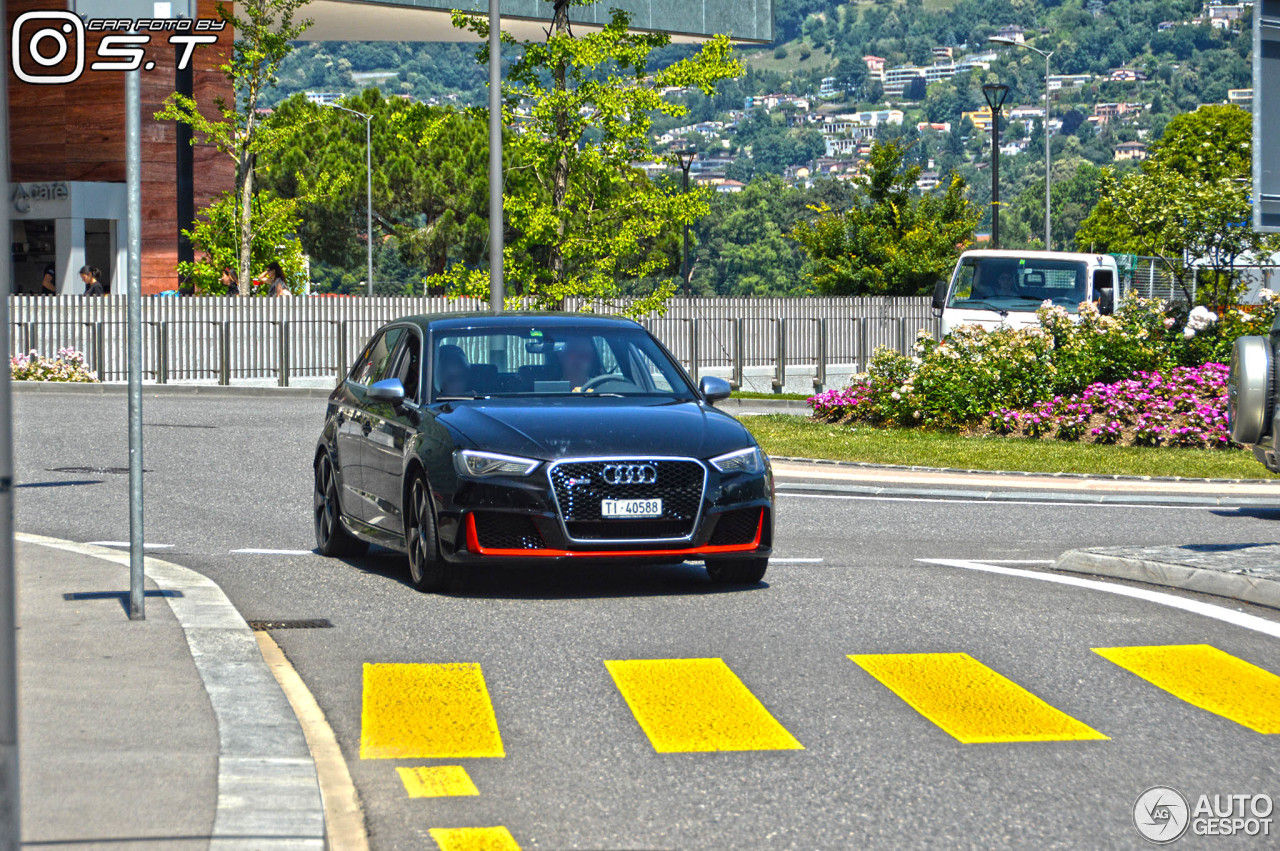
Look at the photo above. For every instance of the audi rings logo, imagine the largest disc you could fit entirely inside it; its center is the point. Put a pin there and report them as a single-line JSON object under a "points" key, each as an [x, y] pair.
{"points": [[630, 474]]}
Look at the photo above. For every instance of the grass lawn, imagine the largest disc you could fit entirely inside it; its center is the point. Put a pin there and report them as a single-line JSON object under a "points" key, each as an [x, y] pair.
{"points": [[780, 434]]}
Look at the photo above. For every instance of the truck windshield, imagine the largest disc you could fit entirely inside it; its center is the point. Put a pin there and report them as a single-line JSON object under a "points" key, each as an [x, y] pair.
{"points": [[1017, 283]]}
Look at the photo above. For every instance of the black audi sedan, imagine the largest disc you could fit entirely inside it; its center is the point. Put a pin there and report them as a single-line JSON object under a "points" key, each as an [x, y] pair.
{"points": [[463, 439]]}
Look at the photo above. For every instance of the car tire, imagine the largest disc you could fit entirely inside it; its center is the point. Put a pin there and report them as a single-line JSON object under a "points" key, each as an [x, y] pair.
{"points": [[739, 571], [427, 570], [332, 539]]}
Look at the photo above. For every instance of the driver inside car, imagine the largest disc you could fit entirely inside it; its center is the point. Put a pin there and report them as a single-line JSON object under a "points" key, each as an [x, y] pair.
{"points": [[578, 361], [452, 372]]}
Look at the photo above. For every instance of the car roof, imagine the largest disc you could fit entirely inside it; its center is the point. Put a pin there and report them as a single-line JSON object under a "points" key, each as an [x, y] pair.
{"points": [[464, 320]]}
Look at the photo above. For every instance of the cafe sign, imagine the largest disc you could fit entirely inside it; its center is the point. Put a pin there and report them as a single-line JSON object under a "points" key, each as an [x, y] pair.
{"points": [[24, 194]]}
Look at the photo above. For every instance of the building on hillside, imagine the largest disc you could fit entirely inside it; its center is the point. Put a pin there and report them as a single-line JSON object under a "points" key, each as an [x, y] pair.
{"points": [[728, 186], [1241, 97], [827, 89], [1012, 32], [940, 127], [927, 180], [1129, 151], [1057, 82], [980, 118], [1103, 113], [324, 98], [943, 54], [1165, 26], [1126, 75], [875, 65], [838, 146], [1225, 16]]}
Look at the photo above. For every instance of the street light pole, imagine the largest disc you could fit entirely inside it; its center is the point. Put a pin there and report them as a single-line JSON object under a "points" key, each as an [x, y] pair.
{"points": [[368, 186], [685, 157], [1048, 165], [995, 95]]}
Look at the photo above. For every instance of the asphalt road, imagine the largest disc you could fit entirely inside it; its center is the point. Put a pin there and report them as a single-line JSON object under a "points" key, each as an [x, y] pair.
{"points": [[580, 771]]}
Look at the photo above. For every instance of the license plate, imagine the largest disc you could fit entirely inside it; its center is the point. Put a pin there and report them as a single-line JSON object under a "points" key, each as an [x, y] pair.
{"points": [[630, 508]]}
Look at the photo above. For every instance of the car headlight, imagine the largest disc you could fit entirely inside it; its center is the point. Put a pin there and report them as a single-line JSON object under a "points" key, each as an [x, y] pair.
{"points": [[749, 460], [480, 465]]}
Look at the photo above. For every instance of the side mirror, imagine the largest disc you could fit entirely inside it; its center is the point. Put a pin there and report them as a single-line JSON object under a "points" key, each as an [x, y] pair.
{"points": [[714, 389], [1106, 301], [940, 295], [389, 391]]}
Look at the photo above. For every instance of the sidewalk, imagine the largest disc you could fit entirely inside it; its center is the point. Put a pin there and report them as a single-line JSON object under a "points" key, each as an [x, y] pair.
{"points": [[169, 732], [118, 738]]}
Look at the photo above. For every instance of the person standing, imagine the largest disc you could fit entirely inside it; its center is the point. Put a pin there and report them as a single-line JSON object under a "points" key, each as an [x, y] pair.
{"points": [[49, 281], [230, 281], [92, 277]]}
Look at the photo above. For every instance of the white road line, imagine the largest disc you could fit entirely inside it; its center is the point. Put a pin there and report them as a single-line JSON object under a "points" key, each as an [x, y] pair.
{"points": [[794, 560], [1017, 561], [1208, 610], [1011, 502], [258, 552], [125, 544]]}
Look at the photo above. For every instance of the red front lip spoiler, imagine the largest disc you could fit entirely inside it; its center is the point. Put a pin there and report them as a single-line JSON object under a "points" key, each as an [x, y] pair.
{"points": [[473, 544]]}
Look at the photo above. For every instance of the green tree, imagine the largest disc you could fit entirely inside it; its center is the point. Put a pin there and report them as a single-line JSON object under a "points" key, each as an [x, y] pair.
{"points": [[1190, 199], [589, 219], [888, 242], [264, 31], [274, 221], [430, 182]]}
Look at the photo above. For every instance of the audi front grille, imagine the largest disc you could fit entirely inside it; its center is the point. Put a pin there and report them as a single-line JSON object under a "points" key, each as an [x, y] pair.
{"points": [[579, 486]]}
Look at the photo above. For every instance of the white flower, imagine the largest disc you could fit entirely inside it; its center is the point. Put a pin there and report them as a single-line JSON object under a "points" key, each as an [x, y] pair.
{"points": [[1265, 294], [895, 396], [1188, 332], [1168, 323]]}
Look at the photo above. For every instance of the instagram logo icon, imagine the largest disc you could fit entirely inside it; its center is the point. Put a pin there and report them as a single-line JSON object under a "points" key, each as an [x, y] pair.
{"points": [[42, 40]]}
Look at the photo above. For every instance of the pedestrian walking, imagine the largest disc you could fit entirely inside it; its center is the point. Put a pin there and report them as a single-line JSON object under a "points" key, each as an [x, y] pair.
{"points": [[277, 286], [48, 281], [92, 277]]}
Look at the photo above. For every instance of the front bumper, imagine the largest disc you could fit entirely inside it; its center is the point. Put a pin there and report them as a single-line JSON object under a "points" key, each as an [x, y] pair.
{"points": [[517, 519]]}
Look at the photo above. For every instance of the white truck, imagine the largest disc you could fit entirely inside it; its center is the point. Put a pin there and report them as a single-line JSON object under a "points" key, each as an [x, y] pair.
{"points": [[992, 288]]}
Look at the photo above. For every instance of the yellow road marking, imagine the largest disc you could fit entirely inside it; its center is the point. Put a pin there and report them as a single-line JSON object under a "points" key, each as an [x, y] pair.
{"points": [[437, 781], [696, 705], [1206, 677], [970, 701], [421, 711], [474, 839]]}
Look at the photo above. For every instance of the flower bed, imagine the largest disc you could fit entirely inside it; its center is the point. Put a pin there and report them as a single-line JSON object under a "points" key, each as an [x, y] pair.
{"points": [[66, 365], [1149, 375], [1187, 407]]}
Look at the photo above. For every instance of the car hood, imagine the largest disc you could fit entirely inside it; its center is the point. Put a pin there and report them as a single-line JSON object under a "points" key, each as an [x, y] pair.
{"points": [[557, 428]]}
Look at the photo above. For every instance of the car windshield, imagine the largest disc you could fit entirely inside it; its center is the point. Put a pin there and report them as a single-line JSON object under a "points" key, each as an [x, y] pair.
{"points": [[1014, 283], [553, 361]]}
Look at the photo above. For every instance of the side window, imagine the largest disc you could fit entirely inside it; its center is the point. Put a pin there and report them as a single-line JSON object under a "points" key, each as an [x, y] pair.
{"points": [[648, 367], [409, 367], [964, 282], [375, 363]]}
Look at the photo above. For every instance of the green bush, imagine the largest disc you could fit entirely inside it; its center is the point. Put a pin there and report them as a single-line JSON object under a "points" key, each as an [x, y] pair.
{"points": [[962, 380]]}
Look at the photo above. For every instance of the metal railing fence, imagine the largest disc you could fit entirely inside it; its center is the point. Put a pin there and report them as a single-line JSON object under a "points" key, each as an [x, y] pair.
{"points": [[224, 339]]}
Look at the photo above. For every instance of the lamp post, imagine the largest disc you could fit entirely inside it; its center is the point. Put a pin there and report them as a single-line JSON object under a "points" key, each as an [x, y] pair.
{"points": [[685, 157], [995, 94], [1048, 171], [368, 173]]}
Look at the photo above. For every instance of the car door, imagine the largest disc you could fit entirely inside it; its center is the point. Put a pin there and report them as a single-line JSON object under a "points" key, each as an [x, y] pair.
{"points": [[355, 422], [391, 430]]}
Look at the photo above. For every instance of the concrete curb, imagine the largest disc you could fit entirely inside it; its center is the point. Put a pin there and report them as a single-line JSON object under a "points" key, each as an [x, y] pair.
{"points": [[268, 791], [1015, 474], [1235, 586], [782, 406], [1158, 500], [38, 388]]}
